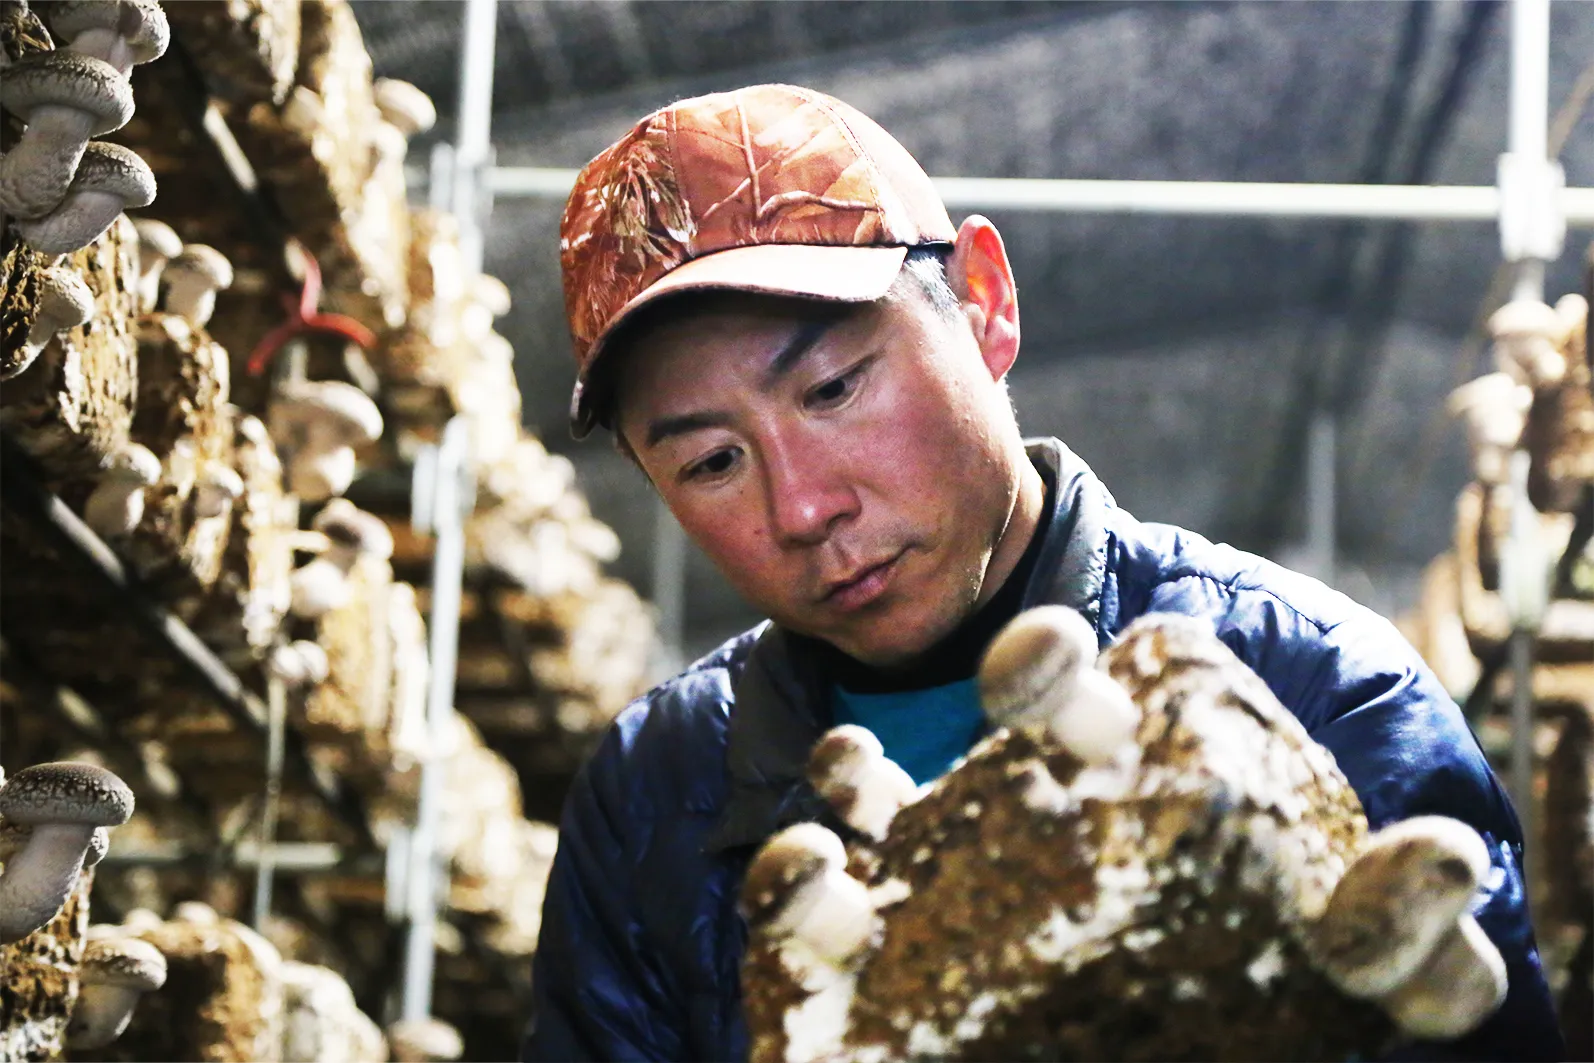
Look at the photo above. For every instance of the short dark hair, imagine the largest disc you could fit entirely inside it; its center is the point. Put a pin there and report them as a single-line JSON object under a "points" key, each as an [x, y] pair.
{"points": [[924, 270]]}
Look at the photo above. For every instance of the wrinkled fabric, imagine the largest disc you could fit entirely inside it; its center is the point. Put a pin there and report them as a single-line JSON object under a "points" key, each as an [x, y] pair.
{"points": [[641, 942]]}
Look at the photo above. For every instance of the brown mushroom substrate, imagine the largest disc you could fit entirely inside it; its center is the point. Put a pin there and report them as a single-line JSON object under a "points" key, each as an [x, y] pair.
{"points": [[1560, 431], [1160, 913], [248, 50], [249, 600], [39, 983], [315, 150], [349, 711], [222, 1001], [73, 409], [178, 548], [20, 270]]}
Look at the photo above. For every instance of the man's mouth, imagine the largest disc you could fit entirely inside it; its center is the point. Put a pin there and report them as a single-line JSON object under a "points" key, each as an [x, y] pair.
{"points": [[859, 588]]}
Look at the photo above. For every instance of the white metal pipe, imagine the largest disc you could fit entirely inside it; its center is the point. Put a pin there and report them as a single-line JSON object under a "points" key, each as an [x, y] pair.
{"points": [[1529, 130], [1479, 203], [473, 147]]}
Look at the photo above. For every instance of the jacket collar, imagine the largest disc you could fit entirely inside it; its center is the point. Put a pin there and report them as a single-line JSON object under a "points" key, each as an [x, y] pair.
{"points": [[783, 702]]}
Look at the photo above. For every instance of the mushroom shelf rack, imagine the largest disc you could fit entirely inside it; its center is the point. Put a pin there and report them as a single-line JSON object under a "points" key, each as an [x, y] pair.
{"points": [[213, 586]]}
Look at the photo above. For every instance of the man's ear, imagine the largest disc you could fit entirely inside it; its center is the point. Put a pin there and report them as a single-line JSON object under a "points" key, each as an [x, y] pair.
{"points": [[982, 278]]}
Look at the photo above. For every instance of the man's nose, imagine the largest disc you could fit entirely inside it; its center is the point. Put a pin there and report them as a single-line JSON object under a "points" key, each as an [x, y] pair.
{"points": [[808, 495]]}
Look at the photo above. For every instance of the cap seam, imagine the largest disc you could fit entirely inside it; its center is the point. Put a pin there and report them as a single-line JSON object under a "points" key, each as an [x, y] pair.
{"points": [[876, 176]]}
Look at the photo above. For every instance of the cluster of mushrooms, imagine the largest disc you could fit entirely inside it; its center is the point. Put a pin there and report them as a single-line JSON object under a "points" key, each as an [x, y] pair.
{"points": [[54, 824], [1144, 833]]}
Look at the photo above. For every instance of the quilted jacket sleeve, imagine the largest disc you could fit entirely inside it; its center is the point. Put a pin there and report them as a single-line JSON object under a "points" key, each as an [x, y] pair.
{"points": [[1362, 692], [594, 994]]}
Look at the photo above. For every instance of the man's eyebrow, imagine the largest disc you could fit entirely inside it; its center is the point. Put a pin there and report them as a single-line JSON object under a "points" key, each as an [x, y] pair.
{"points": [[665, 427], [800, 344]]}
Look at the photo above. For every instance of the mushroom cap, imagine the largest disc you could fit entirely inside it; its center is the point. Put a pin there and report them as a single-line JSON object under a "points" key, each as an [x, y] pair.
{"points": [[142, 26], [837, 757], [136, 462], [349, 526], [1526, 317], [67, 79], [158, 237], [425, 1039], [66, 792], [352, 413], [404, 105], [116, 170], [1037, 650], [204, 261], [223, 478], [491, 293], [129, 962], [64, 298], [790, 860]]}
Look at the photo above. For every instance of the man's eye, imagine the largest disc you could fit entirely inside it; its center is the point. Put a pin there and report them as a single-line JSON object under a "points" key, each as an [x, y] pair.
{"points": [[715, 464], [833, 391]]}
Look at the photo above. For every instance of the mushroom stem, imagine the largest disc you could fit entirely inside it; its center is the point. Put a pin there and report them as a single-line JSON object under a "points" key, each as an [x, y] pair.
{"points": [[115, 508], [36, 173], [835, 917], [105, 44], [1461, 985], [101, 1014], [40, 877], [324, 467]]}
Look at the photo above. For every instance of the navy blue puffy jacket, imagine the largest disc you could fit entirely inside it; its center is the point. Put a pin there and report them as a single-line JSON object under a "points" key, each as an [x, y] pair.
{"points": [[641, 942]]}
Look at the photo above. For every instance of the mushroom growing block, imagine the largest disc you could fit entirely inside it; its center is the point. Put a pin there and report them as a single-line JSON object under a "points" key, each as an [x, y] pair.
{"points": [[249, 49], [62, 804], [1173, 898], [38, 978]]}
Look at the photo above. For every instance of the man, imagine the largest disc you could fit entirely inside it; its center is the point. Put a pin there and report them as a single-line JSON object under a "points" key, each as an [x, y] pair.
{"points": [[776, 317]]}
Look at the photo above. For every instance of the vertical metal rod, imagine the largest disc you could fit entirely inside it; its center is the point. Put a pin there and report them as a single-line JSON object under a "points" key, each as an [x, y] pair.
{"points": [[473, 145], [450, 498], [276, 732], [1528, 138], [1321, 456], [669, 586]]}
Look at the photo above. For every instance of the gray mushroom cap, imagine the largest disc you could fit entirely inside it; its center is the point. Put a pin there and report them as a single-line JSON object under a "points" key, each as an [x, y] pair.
{"points": [[350, 527], [66, 792], [64, 300], [157, 239], [204, 261], [135, 463], [109, 180], [123, 961], [67, 79], [142, 27], [343, 407]]}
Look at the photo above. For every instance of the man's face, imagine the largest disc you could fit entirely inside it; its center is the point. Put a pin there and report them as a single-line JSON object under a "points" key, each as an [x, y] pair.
{"points": [[851, 477]]}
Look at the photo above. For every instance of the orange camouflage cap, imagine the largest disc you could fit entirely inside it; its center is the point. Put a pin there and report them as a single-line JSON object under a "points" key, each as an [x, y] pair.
{"points": [[771, 188]]}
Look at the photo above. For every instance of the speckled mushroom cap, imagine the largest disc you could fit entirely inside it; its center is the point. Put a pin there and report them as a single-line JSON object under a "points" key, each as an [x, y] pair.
{"points": [[66, 792], [142, 26], [349, 526], [206, 261], [123, 961], [117, 170], [158, 237], [64, 298], [351, 410], [67, 79], [404, 105], [793, 858]]}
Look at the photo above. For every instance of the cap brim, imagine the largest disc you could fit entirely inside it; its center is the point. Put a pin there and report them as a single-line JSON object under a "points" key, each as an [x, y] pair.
{"points": [[805, 271]]}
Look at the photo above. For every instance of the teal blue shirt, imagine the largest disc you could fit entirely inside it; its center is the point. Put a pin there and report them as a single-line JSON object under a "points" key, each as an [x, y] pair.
{"points": [[925, 731]]}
